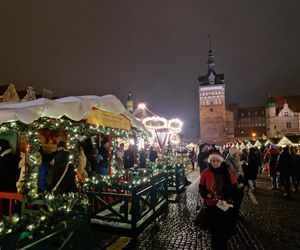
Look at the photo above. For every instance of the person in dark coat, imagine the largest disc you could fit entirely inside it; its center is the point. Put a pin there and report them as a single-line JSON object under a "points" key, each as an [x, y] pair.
{"points": [[284, 166], [129, 157], [202, 157], [103, 151], [9, 168], [143, 158], [218, 189], [9, 172], [68, 183], [252, 168], [192, 157], [295, 168], [152, 155]]}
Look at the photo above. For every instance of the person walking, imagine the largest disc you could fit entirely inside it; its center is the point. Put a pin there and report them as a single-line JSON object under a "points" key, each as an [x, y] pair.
{"points": [[234, 163], [9, 167], [251, 170], [218, 189], [272, 157], [295, 168], [192, 157], [284, 166]]}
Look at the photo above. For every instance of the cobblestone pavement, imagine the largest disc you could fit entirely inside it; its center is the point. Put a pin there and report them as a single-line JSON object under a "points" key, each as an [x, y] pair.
{"points": [[272, 223]]}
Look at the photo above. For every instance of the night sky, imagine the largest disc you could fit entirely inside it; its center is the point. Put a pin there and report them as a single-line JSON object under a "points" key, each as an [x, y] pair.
{"points": [[158, 48]]}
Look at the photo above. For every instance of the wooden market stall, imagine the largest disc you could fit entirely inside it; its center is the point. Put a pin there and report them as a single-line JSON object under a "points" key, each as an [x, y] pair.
{"points": [[45, 122]]}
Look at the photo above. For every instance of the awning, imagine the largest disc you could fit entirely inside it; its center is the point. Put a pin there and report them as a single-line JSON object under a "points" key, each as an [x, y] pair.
{"points": [[75, 108], [108, 119]]}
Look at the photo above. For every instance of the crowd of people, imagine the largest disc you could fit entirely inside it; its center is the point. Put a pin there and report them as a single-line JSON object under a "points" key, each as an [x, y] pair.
{"points": [[227, 173], [58, 175]]}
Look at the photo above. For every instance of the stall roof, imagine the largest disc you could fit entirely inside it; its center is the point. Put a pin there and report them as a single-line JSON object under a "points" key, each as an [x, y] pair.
{"points": [[74, 107]]}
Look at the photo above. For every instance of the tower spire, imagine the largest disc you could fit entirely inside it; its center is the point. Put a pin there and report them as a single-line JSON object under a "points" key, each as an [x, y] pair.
{"points": [[211, 60], [129, 103]]}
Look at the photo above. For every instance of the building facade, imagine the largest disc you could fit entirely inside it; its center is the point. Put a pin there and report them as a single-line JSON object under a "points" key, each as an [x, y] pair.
{"points": [[279, 117], [249, 122], [282, 120]]}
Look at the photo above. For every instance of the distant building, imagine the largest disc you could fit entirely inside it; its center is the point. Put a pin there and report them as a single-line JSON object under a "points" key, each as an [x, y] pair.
{"points": [[274, 120], [249, 122], [283, 116], [216, 122]]}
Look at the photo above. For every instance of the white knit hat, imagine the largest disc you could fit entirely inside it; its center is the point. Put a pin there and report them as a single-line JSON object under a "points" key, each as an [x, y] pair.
{"points": [[215, 155]]}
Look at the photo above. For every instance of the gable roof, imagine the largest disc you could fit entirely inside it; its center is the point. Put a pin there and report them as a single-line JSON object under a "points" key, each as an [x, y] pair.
{"points": [[293, 101]]}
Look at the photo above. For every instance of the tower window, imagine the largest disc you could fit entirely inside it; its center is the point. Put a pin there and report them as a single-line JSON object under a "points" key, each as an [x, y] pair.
{"points": [[286, 114], [288, 125], [211, 110]]}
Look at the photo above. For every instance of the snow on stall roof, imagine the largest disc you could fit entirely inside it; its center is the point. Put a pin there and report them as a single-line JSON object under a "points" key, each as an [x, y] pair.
{"points": [[74, 107]]}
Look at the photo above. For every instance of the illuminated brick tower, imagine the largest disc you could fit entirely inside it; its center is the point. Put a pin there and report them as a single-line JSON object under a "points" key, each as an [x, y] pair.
{"points": [[216, 123]]}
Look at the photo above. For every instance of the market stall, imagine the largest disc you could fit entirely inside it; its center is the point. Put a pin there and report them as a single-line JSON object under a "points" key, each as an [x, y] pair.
{"points": [[44, 122]]}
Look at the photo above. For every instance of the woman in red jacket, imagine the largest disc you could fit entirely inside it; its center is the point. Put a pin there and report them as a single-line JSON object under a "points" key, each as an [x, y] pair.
{"points": [[218, 188]]}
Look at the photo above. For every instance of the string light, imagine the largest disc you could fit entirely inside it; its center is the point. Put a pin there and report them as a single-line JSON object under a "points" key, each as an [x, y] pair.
{"points": [[62, 205]]}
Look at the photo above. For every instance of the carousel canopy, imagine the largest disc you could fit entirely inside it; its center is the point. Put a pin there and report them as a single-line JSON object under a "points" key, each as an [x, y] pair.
{"points": [[74, 107]]}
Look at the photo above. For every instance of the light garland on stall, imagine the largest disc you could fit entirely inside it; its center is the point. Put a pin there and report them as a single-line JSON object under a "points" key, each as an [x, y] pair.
{"points": [[123, 179], [58, 209]]}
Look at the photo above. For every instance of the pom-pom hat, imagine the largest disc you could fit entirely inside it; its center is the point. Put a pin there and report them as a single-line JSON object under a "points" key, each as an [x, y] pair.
{"points": [[215, 155]]}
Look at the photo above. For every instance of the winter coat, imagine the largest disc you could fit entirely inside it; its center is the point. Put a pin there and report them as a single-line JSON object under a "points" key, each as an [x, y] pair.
{"points": [[251, 169], [202, 160], [152, 156], [295, 168], [220, 183], [9, 169], [68, 183], [284, 165]]}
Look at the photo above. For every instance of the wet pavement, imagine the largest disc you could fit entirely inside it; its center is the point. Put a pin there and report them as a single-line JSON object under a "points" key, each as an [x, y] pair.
{"points": [[268, 221]]}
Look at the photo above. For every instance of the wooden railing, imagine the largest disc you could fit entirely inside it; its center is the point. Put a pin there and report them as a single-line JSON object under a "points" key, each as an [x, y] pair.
{"points": [[9, 201]]}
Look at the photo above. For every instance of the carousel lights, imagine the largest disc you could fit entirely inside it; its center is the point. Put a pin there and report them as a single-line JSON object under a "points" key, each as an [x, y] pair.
{"points": [[155, 122], [175, 125]]}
